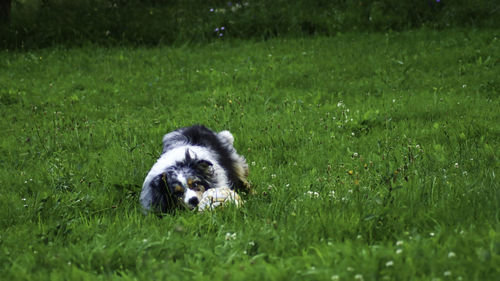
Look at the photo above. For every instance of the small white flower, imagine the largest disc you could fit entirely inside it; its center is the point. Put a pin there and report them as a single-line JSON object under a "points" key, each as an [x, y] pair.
{"points": [[144, 240], [399, 251], [332, 194], [353, 134], [312, 194], [447, 273], [389, 264], [230, 236], [399, 243], [464, 173], [350, 269], [393, 101], [464, 86], [358, 277], [335, 277], [253, 163], [273, 176], [456, 165], [355, 154], [340, 104], [287, 185], [451, 255], [251, 243], [432, 234], [24, 199]]}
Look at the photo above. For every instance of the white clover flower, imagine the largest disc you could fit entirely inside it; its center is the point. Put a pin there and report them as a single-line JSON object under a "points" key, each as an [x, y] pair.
{"points": [[432, 234], [253, 163], [312, 194], [230, 236], [447, 273], [273, 176], [399, 243], [332, 194], [451, 255], [355, 154], [358, 277], [399, 251], [335, 277], [389, 263]]}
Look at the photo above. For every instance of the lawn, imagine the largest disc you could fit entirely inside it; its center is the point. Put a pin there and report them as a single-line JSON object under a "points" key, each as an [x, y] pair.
{"points": [[373, 156]]}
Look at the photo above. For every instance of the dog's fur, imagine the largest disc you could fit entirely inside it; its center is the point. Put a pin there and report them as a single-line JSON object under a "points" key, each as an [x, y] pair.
{"points": [[193, 160]]}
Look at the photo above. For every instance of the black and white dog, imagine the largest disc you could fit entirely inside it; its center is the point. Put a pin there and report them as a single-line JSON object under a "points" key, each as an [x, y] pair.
{"points": [[193, 160]]}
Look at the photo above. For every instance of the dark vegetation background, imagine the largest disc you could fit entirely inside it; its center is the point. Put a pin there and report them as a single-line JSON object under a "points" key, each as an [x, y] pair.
{"points": [[41, 23]]}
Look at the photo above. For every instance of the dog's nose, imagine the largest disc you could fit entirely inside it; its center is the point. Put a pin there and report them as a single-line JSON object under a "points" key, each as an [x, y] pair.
{"points": [[193, 201]]}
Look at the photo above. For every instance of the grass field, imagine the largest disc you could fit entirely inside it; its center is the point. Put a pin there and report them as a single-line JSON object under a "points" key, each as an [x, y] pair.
{"points": [[372, 157]]}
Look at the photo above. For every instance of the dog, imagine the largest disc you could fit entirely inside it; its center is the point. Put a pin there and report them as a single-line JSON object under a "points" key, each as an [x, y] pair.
{"points": [[193, 160]]}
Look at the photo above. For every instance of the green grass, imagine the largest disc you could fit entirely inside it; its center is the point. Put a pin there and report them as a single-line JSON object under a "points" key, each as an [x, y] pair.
{"points": [[402, 127]]}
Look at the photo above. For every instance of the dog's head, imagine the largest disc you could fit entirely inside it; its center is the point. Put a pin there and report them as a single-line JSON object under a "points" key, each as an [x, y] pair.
{"points": [[187, 180]]}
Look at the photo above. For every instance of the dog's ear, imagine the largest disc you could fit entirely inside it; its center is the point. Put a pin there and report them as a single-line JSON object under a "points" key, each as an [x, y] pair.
{"points": [[205, 166], [155, 196]]}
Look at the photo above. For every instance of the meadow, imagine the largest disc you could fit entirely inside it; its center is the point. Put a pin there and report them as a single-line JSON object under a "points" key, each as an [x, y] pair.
{"points": [[373, 156]]}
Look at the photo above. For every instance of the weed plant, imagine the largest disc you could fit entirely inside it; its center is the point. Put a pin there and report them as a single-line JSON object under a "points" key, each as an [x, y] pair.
{"points": [[372, 157]]}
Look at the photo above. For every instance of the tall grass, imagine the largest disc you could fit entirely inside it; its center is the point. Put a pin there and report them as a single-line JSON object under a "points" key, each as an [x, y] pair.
{"points": [[372, 156]]}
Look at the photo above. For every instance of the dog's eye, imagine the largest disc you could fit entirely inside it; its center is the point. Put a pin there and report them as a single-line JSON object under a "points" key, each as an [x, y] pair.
{"points": [[197, 186]]}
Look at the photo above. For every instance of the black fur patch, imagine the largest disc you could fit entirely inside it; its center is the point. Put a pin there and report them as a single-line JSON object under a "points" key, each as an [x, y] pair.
{"points": [[202, 136]]}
